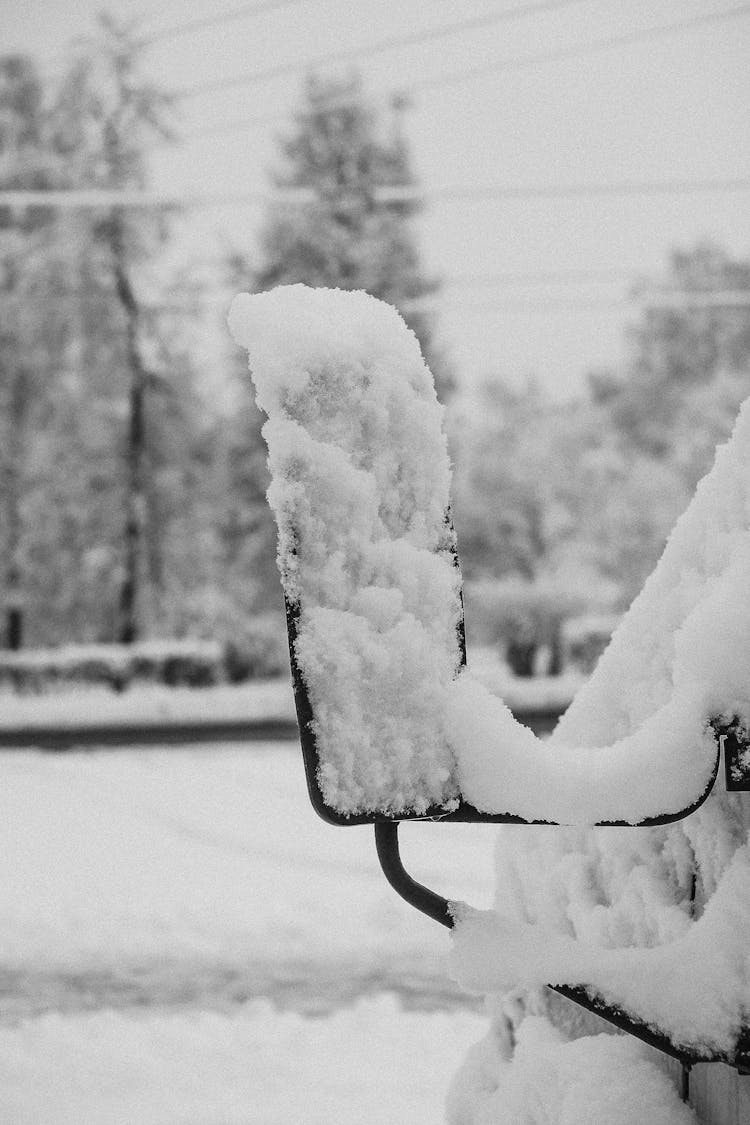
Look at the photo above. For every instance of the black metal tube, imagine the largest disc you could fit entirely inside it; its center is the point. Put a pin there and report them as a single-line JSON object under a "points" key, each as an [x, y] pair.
{"points": [[429, 902], [685, 1084]]}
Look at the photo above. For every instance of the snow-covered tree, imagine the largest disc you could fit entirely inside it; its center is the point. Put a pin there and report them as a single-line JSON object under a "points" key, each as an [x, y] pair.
{"points": [[110, 468], [329, 227], [28, 339], [347, 236], [689, 365], [104, 116]]}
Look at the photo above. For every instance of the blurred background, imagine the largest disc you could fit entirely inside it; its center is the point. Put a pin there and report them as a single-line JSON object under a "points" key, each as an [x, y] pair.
{"points": [[555, 196]]}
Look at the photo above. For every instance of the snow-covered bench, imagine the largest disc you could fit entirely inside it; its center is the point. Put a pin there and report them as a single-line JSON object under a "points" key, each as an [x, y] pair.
{"points": [[392, 725]]}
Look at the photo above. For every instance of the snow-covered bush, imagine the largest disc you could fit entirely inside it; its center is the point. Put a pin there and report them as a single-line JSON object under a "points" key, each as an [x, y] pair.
{"points": [[258, 650], [524, 619]]}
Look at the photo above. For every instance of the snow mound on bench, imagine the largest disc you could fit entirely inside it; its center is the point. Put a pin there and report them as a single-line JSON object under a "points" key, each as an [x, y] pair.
{"points": [[635, 743], [360, 490]]}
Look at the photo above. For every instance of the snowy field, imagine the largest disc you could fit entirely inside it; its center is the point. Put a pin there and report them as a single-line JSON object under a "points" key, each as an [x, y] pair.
{"points": [[182, 940]]}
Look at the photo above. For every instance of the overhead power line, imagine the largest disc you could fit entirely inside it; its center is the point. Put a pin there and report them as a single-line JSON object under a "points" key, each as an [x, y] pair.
{"points": [[390, 43], [676, 300], [585, 190], [513, 278], [523, 62], [204, 23], [648, 300], [510, 278], [576, 50], [394, 196]]}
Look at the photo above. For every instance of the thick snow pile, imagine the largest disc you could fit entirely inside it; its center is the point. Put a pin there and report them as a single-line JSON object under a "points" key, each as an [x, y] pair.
{"points": [[360, 480], [654, 920], [542, 1079], [636, 742]]}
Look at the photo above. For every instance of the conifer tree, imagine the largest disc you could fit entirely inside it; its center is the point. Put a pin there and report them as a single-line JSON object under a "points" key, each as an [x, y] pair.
{"points": [[328, 227], [340, 231], [689, 364]]}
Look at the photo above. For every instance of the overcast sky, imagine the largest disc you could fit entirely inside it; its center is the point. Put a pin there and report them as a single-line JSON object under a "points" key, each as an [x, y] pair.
{"points": [[666, 107]]}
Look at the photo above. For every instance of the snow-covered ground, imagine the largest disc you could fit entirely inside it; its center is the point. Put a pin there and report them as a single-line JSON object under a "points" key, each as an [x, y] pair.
{"points": [[372, 1064], [182, 940]]}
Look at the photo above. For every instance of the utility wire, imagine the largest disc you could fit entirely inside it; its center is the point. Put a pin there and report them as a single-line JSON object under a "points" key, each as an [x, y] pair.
{"points": [[575, 50], [649, 299], [380, 47], [302, 197], [586, 190], [513, 278], [510, 278], [204, 23]]}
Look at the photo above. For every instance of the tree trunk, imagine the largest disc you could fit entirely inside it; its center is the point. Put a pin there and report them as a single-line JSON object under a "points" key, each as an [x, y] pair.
{"points": [[520, 657], [13, 487], [131, 592], [556, 659]]}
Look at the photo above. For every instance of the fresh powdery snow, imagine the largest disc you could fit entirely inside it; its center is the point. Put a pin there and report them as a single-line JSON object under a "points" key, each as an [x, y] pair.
{"points": [[360, 488]]}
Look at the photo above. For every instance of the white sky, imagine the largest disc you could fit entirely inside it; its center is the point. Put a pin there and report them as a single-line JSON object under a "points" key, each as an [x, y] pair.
{"points": [[670, 108]]}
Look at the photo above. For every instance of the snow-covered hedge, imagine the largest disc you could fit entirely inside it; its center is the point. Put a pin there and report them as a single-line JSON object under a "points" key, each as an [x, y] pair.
{"points": [[260, 651]]}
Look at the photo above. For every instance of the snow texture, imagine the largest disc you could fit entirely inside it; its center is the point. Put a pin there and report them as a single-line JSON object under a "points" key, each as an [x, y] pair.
{"points": [[653, 920], [131, 865], [542, 1079], [360, 489]]}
